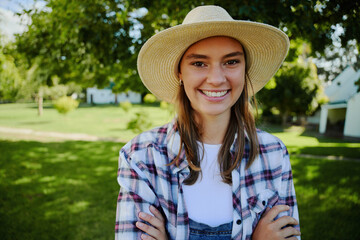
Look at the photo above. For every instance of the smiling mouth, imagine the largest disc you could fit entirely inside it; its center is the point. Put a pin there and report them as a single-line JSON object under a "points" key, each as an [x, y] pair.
{"points": [[215, 94]]}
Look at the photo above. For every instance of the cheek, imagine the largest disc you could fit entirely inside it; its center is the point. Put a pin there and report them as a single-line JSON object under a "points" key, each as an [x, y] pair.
{"points": [[238, 79]]}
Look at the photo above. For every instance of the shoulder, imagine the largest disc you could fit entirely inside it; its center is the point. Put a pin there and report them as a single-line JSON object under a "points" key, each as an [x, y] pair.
{"points": [[272, 156], [144, 146], [270, 143]]}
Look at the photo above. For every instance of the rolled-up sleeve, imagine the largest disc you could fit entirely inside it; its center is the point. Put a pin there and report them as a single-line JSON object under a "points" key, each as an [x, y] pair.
{"points": [[287, 191], [136, 195]]}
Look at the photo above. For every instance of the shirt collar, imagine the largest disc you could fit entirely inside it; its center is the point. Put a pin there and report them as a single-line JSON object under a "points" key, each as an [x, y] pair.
{"points": [[173, 145]]}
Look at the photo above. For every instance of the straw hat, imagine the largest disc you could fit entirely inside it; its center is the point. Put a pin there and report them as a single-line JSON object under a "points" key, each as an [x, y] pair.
{"points": [[265, 47]]}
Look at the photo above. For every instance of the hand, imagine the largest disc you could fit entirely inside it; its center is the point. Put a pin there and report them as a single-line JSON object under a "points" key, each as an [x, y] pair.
{"points": [[157, 229], [269, 229]]}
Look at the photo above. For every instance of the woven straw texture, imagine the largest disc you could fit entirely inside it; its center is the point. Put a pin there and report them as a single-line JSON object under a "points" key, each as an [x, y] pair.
{"points": [[265, 46]]}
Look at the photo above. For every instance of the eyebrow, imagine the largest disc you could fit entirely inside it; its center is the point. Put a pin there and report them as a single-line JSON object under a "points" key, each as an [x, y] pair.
{"points": [[234, 54], [200, 56], [191, 56]]}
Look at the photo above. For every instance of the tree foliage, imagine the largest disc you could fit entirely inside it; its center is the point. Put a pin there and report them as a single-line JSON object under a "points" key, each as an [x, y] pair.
{"points": [[295, 90], [10, 79], [81, 41], [97, 41]]}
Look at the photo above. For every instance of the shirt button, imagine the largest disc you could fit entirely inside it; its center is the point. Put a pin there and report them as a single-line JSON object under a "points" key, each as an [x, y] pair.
{"points": [[263, 203], [238, 222]]}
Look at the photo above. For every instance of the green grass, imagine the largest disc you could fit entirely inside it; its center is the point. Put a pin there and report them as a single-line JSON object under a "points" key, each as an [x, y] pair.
{"points": [[64, 190], [103, 120], [68, 190], [300, 141], [111, 121], [328, 196]]}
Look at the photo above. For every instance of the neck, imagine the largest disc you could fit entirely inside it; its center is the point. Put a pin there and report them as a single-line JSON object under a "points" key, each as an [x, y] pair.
{"points": [[214, 128]]}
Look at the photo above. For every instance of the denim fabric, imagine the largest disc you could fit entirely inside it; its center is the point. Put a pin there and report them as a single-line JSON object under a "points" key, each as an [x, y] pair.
{"points": [[200, 231]]}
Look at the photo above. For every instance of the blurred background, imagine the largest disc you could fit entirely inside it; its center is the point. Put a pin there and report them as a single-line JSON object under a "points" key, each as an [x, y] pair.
{"points": [[71, 97]]}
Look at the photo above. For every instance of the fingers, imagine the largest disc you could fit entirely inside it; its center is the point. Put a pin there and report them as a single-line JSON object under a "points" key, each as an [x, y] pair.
{"points": [[154, 221], [156, 227], [273, 212], [289, 231], [153, 232], [156, 213], [147, 237], [286, 220]]}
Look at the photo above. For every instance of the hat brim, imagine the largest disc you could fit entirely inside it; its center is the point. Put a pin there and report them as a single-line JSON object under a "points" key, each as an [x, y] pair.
{"points": [[265, 47]]}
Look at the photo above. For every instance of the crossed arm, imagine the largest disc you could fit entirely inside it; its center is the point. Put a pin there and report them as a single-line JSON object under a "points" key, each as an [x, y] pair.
{"points": [[267, 228]]}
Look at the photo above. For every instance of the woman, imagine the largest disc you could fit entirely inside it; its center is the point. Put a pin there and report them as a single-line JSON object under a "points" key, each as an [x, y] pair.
{"points": [[209, 174]]}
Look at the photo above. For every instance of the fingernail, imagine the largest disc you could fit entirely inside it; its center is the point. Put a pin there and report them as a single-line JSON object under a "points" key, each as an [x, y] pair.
{"points": [[142, 215], [139, 224], [152, 207]]}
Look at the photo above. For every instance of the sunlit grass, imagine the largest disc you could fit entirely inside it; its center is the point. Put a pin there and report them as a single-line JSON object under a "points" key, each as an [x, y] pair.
{"points": [[68, 190], [299, 141], [328, 195], [108, 121]]}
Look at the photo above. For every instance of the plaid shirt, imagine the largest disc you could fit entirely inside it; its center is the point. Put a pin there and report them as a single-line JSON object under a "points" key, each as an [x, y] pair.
{"points": [[145, 180]]}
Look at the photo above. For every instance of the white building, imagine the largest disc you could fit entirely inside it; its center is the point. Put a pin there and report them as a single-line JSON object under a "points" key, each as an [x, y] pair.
{"points": [[343, 105], [105, 96]]}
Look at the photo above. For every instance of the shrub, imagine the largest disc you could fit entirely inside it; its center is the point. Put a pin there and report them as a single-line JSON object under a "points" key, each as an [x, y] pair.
{"points": [[168, 106], [140, 123], [65, 104], [164, 105], [149, 98], [126, 105]]}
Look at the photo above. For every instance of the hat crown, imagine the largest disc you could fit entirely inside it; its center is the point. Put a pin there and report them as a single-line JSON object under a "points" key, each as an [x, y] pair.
{"points": [[207, 14]]}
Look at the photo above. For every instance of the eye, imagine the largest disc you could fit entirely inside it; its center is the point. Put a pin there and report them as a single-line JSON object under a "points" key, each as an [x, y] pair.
{"points": [[198, 64], [232, 62]]}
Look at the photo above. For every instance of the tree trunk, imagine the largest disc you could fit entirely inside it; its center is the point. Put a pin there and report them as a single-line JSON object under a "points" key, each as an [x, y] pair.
{"points": [[40, 102]]}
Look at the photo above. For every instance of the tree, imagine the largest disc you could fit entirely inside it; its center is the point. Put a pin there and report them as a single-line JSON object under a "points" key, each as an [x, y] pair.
{"points": [[10, 80], [96, 41], [295, 90]]}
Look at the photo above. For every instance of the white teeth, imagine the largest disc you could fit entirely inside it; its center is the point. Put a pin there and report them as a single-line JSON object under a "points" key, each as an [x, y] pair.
{"points": [[215, 94]]}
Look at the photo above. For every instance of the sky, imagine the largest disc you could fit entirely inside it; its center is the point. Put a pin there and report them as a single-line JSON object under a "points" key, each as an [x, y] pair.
{"points": [[10, 23]]}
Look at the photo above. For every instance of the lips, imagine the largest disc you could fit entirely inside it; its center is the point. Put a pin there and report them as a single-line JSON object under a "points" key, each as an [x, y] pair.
{"points": [[215, 93]]}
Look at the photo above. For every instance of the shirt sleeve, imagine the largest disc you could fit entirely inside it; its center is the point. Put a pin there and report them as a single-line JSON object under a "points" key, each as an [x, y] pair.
{"points": [[136, 195], [287, 192]]}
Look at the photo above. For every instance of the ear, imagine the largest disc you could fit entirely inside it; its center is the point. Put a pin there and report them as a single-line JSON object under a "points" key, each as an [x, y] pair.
{"points": [[180, 75]]}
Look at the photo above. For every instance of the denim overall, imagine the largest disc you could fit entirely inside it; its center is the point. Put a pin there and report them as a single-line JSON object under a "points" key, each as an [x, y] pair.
{"points": [[200, 231]]}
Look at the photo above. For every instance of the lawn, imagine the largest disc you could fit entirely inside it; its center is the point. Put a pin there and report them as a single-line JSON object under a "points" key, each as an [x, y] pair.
{"points": [[108, 121], [65, 190], [68, 190]]}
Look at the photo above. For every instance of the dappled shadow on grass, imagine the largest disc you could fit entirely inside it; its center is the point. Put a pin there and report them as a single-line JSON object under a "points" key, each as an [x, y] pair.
{"points": [[328, 196], [339, 151], [62, 190], [329, 139]]}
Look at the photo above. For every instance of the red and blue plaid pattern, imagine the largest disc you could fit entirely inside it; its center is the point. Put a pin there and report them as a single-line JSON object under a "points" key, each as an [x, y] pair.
{"points": [[145, 179]]}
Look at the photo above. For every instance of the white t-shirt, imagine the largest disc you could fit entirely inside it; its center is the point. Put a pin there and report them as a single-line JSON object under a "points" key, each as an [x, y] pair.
{"points": [[209, 200]]}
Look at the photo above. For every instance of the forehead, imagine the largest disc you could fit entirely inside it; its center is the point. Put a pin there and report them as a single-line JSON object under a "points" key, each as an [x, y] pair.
{"points": [[215, 44]]}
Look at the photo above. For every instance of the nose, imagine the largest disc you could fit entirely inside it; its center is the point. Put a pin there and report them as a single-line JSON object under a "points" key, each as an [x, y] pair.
{"points": [[216, 76]]}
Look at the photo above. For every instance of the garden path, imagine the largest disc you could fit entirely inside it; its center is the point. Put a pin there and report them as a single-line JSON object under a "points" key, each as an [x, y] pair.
{"points": [[29, 134]]}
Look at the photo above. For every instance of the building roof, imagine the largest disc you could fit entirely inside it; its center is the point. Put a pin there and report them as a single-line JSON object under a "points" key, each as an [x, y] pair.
{"points": [[343, 87]]}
